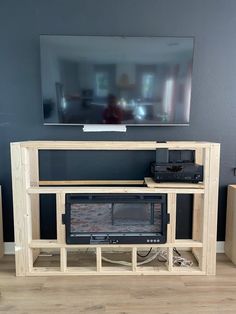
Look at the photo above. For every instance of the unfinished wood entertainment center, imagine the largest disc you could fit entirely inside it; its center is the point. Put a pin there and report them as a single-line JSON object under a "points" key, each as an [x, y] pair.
{"points": [[89, 259]]}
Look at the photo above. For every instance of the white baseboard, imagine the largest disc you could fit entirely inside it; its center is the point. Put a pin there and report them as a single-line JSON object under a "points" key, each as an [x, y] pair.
{"points": [[9, 247], [220, 246]]}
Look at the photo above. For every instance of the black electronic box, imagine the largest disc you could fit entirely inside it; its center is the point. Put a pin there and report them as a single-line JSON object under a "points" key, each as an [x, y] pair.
{"points": [[177, 172], [176, 166]]}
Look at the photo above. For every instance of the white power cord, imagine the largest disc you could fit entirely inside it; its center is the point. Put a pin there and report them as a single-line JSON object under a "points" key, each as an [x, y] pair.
{"points": [[148, 260], [159, 254], [177, 260]]}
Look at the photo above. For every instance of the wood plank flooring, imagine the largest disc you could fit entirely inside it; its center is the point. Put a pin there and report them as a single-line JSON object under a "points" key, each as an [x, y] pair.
{"points": [[119, 294]]}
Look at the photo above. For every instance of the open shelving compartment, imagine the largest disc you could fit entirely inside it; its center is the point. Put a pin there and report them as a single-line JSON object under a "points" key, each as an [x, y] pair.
{"points": [[39, 257]]}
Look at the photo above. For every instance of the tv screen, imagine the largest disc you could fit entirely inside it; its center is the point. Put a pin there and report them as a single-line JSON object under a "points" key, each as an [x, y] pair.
{"points": [[116, 80]]}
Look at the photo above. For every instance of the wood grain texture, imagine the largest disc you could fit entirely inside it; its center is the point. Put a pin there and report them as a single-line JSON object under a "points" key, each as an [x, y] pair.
{"points": [[34, 198], [19, 209], [171, 227], [230, 234], [177, 185], [60, 210], [213, 208], [91, 182], [112, 145], [206, 209], [118, 295], [54, 244], [111, 189], [197, 223]]}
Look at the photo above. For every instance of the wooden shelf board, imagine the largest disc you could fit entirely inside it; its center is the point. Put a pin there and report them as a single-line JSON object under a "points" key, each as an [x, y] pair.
{"points": [[108, 269], [151, 268], [91, 182], [232, 186], [48, 272], [109, 189], [186, 269], [113, 145], [81, 269], [45, 244], [42, 269], [152, 184], [54, 244], [186, 243]]}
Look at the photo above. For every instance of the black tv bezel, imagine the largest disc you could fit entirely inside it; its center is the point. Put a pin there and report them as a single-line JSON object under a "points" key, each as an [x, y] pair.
{"points": [[123, 124], [115, 237]]}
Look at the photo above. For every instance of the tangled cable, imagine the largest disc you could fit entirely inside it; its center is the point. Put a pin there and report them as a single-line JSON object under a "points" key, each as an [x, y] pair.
{"points": [[160, 255], [178, 260]]}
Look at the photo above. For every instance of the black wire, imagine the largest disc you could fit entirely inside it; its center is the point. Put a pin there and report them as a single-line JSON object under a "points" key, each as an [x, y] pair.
{"points": [[146, 254], [176, 251], [164, 260]]}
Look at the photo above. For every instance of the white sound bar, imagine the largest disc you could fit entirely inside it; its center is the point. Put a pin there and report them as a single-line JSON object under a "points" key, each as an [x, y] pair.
{"points": [[104, 128]]}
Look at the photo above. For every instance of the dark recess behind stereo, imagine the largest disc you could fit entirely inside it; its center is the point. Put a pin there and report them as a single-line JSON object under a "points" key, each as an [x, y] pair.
{"points": [[95, 165]]}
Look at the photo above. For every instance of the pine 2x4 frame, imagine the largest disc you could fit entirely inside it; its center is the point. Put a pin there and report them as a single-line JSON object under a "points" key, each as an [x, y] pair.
{"points": [[27, 187]]}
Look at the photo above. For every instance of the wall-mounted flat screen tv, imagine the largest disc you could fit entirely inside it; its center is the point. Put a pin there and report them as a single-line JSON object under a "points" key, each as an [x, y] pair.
{"points": [[116, 80]]}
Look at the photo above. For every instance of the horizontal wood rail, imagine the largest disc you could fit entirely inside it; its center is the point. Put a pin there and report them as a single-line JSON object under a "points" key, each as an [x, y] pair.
{"points": [[90, 182]]}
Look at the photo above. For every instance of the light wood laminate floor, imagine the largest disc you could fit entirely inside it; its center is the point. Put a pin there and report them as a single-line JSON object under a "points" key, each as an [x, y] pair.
{"points": [[118, 294]]}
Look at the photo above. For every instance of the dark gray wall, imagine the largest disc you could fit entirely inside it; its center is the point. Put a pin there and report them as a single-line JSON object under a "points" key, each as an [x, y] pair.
{"points": [[213, 111]]}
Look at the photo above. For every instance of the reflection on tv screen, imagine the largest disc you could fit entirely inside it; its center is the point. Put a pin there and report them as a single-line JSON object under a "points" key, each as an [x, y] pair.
{"points": [[116, 80]]}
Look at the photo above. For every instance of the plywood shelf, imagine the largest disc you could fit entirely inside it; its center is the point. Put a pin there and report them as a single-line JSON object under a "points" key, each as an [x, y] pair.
{"points": [[170, 185], [27, 188]]}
